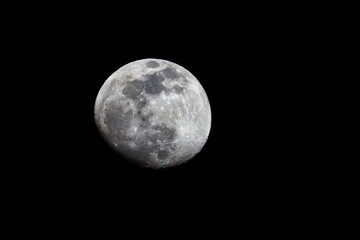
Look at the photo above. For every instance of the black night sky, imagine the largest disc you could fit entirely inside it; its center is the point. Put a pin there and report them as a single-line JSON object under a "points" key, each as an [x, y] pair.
{"points": [[250, 163], [246, 149]]}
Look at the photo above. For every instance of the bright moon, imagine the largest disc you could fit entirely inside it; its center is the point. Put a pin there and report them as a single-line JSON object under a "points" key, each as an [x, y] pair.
{"points": [[153, 112]]}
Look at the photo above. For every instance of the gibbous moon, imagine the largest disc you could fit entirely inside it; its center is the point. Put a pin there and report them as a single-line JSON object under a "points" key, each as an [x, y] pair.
{"points": [[154, 113]]}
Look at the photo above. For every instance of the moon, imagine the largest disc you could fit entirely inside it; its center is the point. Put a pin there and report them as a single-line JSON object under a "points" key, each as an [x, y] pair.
{"points": [[154, 113]]}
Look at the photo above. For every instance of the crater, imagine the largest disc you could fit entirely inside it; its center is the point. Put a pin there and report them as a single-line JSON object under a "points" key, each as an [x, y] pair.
{"points": [[178, 89], [128, 77], [152, 64], [113, 84], [141, 104]]}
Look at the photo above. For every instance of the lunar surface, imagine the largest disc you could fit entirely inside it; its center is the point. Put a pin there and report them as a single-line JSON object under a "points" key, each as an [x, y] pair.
{"points": [[153, 112]]}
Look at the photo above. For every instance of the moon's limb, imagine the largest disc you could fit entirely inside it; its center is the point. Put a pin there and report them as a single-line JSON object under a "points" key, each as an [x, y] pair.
{"points": [[153, 112]]}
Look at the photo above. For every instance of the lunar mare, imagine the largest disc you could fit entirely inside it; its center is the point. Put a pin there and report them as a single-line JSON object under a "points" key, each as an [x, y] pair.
{"points": [[154, 113]]}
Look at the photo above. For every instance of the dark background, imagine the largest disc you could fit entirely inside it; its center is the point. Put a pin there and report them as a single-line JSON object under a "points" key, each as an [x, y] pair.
{"points": [[251, 64]]}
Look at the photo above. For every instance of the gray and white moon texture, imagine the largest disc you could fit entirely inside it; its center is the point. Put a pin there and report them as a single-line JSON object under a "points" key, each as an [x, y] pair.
{"points": [[154, 113]]}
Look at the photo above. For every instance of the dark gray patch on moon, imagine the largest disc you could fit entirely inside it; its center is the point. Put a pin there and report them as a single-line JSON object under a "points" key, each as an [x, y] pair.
{"points": [[141, 104], [153, 84], [170, 72], [146, 145], [117, 120], [162, 134], [144, 120], [133, 89], [178, 89], [163, 154], [165, 133], [152, 64]]}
